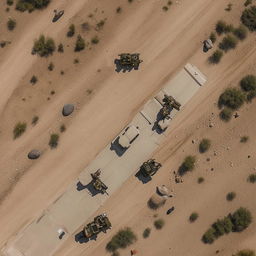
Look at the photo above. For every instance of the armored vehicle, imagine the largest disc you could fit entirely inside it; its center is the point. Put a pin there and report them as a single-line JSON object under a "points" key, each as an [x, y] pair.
{"points": [[128, 136], [100, 223], [149, 168], [130, 60], [171, 102], [57, 15], [97, 183]]}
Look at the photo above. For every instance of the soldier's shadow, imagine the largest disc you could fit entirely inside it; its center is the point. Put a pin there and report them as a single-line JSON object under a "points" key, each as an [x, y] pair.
{"points": [[120, 67]]}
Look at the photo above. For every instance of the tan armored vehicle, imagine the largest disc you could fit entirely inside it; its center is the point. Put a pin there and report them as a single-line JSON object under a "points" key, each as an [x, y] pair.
{"points": [[130, 60], [97, 183], [128, 136], [100, 223], [171, 102], [149, 168]]}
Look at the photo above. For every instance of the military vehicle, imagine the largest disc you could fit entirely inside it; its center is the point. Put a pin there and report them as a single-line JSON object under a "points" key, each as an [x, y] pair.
{"points": [[97, 183], [171, 102], [128, 136], [149, 168], [100, 223], [130, 60], [57, 15]]}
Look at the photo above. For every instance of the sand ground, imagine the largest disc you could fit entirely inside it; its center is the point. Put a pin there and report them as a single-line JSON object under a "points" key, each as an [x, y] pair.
{"points": [[105, 101]]}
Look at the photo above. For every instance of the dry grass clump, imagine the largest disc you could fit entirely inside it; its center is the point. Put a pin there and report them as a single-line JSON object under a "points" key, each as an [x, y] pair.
{"points": [[159, 224], [54, 139], [19, 129], [43, 46], [80, 44], [11, 24], [34, 120], [204, 145]]}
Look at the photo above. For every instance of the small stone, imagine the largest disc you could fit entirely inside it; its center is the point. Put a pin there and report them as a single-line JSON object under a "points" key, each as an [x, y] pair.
{"points": [[228, 148], [215, 153], [212, 169], [34, 154], [211, 125], [208, 159], [249, 156], [193, 141], [67, 109]]}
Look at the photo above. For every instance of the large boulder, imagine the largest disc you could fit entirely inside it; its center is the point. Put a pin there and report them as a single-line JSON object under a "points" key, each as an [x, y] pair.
{"points": [[67, 109], [34, 154]]}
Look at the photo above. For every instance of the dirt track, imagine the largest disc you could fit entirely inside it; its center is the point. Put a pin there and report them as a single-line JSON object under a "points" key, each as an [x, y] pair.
{"points": [[166, 42]]}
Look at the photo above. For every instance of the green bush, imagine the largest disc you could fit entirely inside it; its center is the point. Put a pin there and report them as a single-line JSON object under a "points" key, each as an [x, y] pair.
{"points": [[209, 236], [33, 79], [116, 253], [226, 114], [228, 42], [240, 32], [80, 44], [222, 27], [247, 2], [229, 7], [19, 129], [30, 5], [248, 18], [122, 239], [95, 40], [187, 165], [200, 180], [213, 37], [231, 98], [250, 96], [246, 252], [11, 24], [62, 128], [51, 66], [241, 219], [248, 83], [227, 224], [100, 24], [60, 48], [169, 2], [193, 217], [35, 120], [146, 233], [9, 2], [43, 46], [216, 57], [165, 8], [159, 223], [230, 196], [204, 145], [252, 178], [244, 139], [54, 139], [118, 9], [71, 30]]}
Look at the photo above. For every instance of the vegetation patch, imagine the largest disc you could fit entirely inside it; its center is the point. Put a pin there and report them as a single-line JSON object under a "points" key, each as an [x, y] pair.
{"points": [[193, 217], [80, 44], [230, 196], [252, 178], [34, 120], [216, 57], [71, 30], [204, 145], [213, 37], [9, 2], [248, 83], [146, 233], [229, 7], [31, 5], [95, 40], [122, 239], [200, 180], [19, 129], [247, 2], [118, 9], [44, 46], [33, 79], [236, 222], [54, 139], [62, 128], [246, 252], [226, 114], [187, 165], [244, 139], [248, 18], [222, 27], [159, 223], [231, 98], [51, 66], [241, 32], [228, 42], [11, 24], [60, 48]]}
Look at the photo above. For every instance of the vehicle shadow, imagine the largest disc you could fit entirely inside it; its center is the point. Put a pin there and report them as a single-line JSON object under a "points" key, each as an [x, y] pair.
{"points": [[142, 178], [92, 191], [115, 146], [123, 68], [81, 239]]}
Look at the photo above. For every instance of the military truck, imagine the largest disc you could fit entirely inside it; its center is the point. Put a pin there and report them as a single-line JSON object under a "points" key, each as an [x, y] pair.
{"points": [[149, 168], [130, 60], [100, 223], [171, 102], [97, 183]]}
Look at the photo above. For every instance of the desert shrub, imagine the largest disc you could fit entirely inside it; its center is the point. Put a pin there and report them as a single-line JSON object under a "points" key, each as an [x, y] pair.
{"points": [[244, 139], [193, 217], [213, 37], [122, 239], [227, 224], [169, 2], [71, 30], [62, 128], [100, 24], [241, 219], [146, 233], [228, 42], [165, 8], [200, 180], [95, 40], [54, 139], [222, 27], [218, 226], [209, 236], [60, 48], [51, 66], [11, 24], [231, 98], [9, 2], [246, 252], [226, 114], [62, 72], [240, 32], [204, 145], [247, 2], [230, 196], [80, 44], [76, 61], [118, 9], [116, 253], [19, 129], [248, 83], [34, 120], [250, 96], [187, 165], [248, 18], [252, 178], [30, 5], [229, 7], [159, 223], [216, 57], [130, 1], [52, 92], [43, 46], [33, 79]]}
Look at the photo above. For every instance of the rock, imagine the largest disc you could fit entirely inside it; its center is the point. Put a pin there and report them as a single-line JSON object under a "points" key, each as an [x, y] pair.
{"points": [[211, 125], [34, 154], [67, 109], [249, 156], [215, 153], [228, 148], [193, 141], [208, 159]]}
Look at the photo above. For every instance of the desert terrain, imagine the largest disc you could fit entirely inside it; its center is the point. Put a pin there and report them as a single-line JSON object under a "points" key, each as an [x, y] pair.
{"points": [[105, 101]]}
